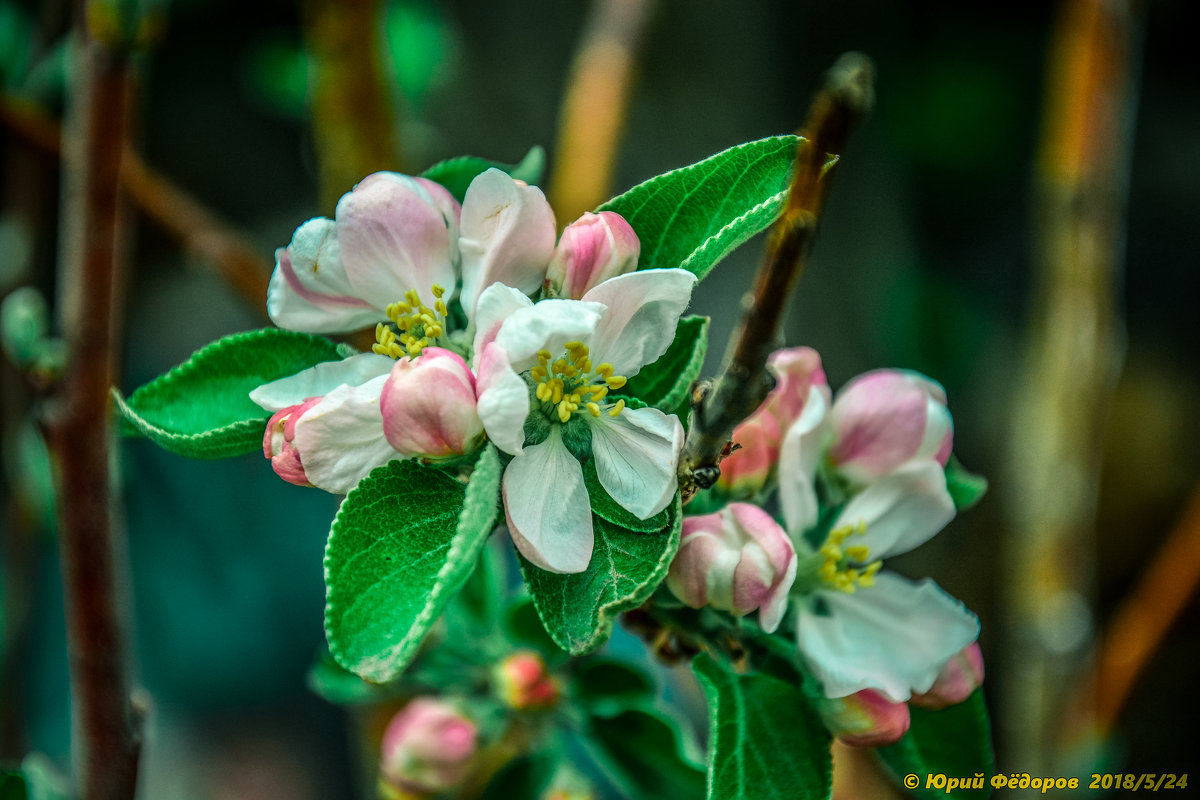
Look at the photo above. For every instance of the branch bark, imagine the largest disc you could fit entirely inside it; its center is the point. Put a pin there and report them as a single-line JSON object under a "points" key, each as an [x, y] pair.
{"points": [[744, 382]]}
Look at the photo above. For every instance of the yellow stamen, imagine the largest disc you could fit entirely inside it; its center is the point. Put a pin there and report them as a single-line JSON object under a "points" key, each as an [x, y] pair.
{"points": [[593, 409], [617, 409], [837, 571]]}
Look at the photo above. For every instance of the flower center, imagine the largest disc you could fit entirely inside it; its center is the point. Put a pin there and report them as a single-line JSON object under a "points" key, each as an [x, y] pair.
{"points": [[843, 568], [570, 383], [416, 326]]}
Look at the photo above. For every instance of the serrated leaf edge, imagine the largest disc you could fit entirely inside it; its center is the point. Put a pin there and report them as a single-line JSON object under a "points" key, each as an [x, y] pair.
{"points": [[145, 428]]}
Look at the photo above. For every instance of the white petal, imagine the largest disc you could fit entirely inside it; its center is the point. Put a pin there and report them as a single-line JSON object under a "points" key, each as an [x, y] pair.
{"points": [[799, 456], [503, 402], [642, 313], [546, 325], [309, 290], [507, 236], [320, 380], [341, 438], [894, 637], [394, 236], [901, 511], [497, 303], [637, 456], [546, 504]]}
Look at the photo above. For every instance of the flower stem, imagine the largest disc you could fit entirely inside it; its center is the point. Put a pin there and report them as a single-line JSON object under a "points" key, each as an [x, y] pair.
{"points": [[743, 384]]}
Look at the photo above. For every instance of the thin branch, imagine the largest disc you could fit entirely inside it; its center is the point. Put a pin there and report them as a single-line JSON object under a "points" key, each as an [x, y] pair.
{"points": [[744, 383], [594, 109], [201, 232], [106, 730]]}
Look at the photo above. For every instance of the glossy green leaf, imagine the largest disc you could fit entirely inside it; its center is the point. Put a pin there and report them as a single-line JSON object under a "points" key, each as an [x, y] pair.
{"points": [[665, 383], [202, 408], [456, 174], [694, 216], [966, 488], [644, 752], [954, 741], [579, 610], [403, 543], [765, 741]]}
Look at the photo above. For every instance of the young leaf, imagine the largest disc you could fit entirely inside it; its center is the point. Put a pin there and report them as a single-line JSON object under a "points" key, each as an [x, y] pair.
{"points": [[579, 610], [403, 543], [765, 742], [202, 408], [665, 383], [966, 488], [953, 741], [456, 174], [694, 216], [644, 752]]}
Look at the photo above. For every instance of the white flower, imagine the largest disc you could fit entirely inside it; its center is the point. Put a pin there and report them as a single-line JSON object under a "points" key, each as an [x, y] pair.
{"points": [[568, 354], [859, 628]]}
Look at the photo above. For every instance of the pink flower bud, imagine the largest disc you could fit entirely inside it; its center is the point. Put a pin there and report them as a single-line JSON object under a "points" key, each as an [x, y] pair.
{"points": [[591, 250], [885, 419], [428, 405], [737, 560], [962, 675], [278, 446], [797, 370], [523, 683], [864, 719], [427, 748]]}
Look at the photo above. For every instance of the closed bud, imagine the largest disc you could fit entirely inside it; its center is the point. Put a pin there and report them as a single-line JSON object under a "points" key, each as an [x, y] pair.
{"points": [[428, 405], [591, 250], [797, 372], [961, 676], [738, 560], [522, 682], [884, 419], [428, 748], [864, 719], [278, 443]]}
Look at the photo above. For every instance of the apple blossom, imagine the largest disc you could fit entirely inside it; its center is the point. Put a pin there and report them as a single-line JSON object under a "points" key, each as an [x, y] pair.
{"points": [[522, 682], [864, 719], [591, 250], [961, 676], [738, 560], [428, 405], [428, 748], [278, 442]]}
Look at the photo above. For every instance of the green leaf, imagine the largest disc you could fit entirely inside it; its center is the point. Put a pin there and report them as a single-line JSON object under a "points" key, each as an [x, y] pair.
{"points": [[579, 610], [966, 488], [954, 741], [202, 408], [665, 383], [608, 509], [694, 216], [644, 751], [529, 776], [456, 174], [765, 741], [403, 543], [331, 681], [12, 786], [606, 686]]}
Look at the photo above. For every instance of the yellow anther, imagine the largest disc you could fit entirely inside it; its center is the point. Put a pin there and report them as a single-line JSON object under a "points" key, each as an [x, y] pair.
{"points": [[858, 552], [440, 305], [538, 373], [437, 290], [395, 350], [564, 411], [558, 366], [832, 552], [617, 409], [585, 366], [593, 409], [412, 297], [573, 345], [575, 397], [556, 390], [433, 331], [380, 349], [616, 381], [604, 370], [543, 392], [427, 318], [598, 392], [543, 355]]}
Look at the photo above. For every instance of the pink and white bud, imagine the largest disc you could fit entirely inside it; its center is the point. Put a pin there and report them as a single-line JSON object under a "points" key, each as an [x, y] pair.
{"points": [[961, 676], [797, 371], [884, 419], [427, 748], [737, 560], [278, 443], [864, 719], [591, 250], [428, 405], [522, 682]]}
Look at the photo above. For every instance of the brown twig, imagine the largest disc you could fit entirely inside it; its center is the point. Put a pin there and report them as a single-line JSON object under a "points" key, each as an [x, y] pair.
{"points": [[106, 743], [1073, 359], [744, 382], [593, 112]]}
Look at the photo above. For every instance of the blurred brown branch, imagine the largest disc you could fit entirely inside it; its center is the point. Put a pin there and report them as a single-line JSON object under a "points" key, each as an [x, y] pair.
{"points": [[594, 109], [200, 231], [1072, 362], [744, 381]]}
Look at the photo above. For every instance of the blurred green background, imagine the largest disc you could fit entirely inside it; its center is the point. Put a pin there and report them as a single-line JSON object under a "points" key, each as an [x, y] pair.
{"points": [[924, 261]]}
